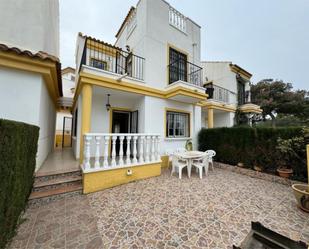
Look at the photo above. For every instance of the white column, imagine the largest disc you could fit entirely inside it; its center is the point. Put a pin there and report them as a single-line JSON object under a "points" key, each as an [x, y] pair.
{"points": [[87, 140], [158, 157], [128, 160], [134, 149], [121, 151], [114, 151], [106, 146], [97, 152], [153, 139], [141, 149], [147, 149]]}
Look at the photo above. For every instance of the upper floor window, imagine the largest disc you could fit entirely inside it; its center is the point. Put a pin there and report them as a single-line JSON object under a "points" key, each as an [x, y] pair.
{"points": [[98, 64], [177, 20], [177, 124], [177, 66], [241, 93]]}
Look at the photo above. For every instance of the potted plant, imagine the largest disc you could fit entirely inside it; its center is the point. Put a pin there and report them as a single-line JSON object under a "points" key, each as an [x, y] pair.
{"points": [[286, 153]]}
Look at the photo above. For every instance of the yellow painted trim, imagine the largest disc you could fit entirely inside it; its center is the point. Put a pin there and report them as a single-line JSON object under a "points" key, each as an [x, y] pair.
{"points": [[87, 78], [239, 70], [210, 118], [100, 180], [165, 162], [46, 68], [167, 109], [86, 116], [252, 110], [217, 106]]}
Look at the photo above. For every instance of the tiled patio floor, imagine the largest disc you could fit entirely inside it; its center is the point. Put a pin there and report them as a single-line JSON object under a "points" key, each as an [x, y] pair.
{"points": [[165, 212]]}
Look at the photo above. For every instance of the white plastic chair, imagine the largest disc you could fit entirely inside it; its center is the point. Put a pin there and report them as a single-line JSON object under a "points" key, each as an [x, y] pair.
{"points": [[178, 163], [211, 154], [180, 150], [202, 163]]}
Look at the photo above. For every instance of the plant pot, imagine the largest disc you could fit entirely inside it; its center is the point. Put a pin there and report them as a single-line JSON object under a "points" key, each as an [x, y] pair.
{"points": [[301, 193], [286, 173], [257, 168], [240, 165]]}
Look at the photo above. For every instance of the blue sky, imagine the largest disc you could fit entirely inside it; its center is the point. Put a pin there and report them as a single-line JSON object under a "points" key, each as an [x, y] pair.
{"points": [[269, 38]]}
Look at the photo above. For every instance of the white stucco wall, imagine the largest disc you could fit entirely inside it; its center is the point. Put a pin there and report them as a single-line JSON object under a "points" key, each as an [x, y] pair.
{"points": [[153, 34], [36, 29], [24, 97], [221, 119]]}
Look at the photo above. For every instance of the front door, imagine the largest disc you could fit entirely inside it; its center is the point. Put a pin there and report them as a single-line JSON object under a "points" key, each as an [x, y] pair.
{"points": [[124, 122]]}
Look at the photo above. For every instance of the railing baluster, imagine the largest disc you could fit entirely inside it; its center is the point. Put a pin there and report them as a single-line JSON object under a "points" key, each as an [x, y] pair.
{"points": [[121, 151], [141, 149], [87, 152], [158, 157], [147, 149], [128, 154], [97, 152], [152, 158], [134, 149], [114, 138], [106, 146]]}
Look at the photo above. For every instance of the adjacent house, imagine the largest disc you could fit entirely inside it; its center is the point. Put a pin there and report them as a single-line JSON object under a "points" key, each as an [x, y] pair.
{"points": [[30, 72], [228, 88], [64, 117]]}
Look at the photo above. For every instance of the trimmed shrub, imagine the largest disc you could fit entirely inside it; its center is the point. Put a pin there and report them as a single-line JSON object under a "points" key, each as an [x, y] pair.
{"points": [[252, 146], [18, 148]]}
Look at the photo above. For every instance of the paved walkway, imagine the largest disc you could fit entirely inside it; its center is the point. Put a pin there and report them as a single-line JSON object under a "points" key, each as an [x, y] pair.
{"points": [[165, 212]]}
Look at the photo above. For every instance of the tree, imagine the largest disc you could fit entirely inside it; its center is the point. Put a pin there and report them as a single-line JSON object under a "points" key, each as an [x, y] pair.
{"points": [[277, 97]]}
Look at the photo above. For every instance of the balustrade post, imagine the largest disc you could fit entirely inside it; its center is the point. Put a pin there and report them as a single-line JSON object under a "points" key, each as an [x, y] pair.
{"points": [[106, 146], [152, 158], [141, 149], [121, 151], [97, 152], [158, 157], [114, 138], [147, 149], [128, 159], [134, 149], [87, 140]]}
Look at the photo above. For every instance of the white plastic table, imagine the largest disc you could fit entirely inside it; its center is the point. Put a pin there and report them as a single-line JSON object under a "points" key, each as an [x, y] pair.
{"points": [[190, 156]]}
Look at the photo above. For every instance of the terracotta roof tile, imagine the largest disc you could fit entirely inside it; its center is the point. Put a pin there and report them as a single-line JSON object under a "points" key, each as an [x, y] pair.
{"points": [[39, 55]]}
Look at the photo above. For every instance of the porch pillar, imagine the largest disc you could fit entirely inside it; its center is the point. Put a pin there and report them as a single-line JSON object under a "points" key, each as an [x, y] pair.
{"points": [[86, 116], [210, 118]]}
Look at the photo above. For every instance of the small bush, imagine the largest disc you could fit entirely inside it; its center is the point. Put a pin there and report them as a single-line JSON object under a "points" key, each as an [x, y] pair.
{"points": [[253, 146], [18, 148]]}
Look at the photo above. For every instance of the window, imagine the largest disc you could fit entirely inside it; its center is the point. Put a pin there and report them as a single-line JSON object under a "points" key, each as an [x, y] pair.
{"points": [[241, 93], [177, 124], [98, 64], [177, 66]]}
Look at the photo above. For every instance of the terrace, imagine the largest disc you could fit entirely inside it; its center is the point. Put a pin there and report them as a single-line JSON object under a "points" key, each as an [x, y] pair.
{"points": [[165, 212]]}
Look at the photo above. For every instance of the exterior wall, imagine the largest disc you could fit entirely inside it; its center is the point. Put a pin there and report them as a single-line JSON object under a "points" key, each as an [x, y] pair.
{"points": [[153, 34], [37, 29], [68, 83], [47, 122], [76, 139], [221, 119], [24, 97]]}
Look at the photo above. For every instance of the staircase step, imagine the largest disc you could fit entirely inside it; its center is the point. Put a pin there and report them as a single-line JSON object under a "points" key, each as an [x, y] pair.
{"points": [[58, 175], [56, 181], [56, 191]]}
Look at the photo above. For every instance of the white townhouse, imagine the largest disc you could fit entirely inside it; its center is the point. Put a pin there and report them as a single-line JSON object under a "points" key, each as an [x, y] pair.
{"points": [[30, 72], [228, 89]]}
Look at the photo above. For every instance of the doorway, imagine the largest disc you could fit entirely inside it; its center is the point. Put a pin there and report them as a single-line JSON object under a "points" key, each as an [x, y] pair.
{"points": [[124, 122]]}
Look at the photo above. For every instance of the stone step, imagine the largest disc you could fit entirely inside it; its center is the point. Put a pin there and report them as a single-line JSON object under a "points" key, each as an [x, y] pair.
{"points": [[56, 175], [55, 182], [59, 190]]}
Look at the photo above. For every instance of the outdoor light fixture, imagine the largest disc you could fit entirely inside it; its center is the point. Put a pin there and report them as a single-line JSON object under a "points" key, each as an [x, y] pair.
{"points": [[108, 106]]}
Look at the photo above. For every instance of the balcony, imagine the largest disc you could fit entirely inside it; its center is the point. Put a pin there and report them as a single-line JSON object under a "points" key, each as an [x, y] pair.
{"points": [[220, 94], [185, 71], [106, 57]]}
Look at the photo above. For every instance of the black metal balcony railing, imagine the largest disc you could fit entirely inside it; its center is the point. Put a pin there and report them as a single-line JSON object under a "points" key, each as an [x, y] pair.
{"points": [[112, 59], [185, 71]]}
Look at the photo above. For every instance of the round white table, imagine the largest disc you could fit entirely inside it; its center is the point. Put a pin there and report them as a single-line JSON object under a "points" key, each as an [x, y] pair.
{"points": [[190, 156]]}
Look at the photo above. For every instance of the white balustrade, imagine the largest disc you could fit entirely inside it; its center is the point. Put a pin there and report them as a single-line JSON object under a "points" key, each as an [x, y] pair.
{"points": [[178, 20], [118, 150]]}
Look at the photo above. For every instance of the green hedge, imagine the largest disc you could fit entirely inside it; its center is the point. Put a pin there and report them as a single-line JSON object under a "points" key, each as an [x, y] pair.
{"points": [[18, 148], [252, 146]]}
